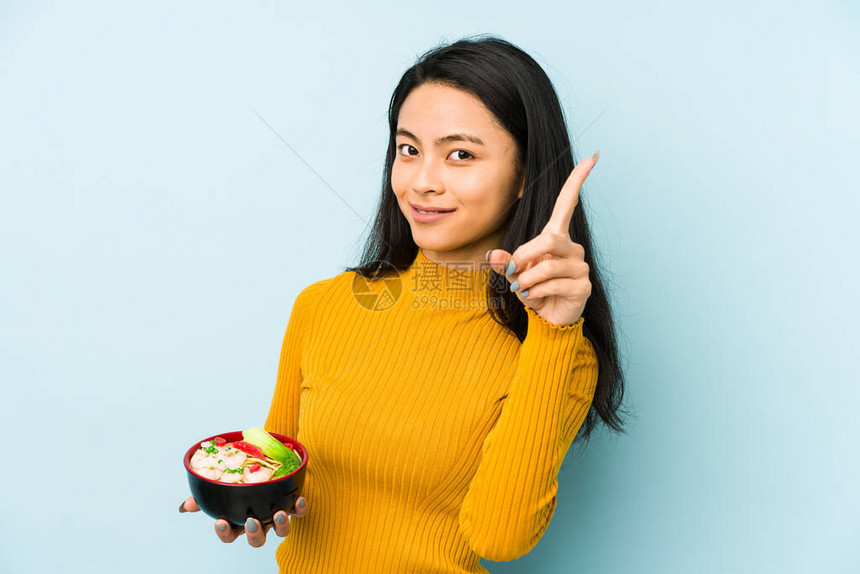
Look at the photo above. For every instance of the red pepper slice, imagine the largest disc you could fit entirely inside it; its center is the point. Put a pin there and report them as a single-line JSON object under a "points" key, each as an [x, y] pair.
{"points": [[249, 449], [254, 468]]}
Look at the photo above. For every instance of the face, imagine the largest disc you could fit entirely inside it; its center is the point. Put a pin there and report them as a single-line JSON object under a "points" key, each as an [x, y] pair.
{"points": [[452, 155]]}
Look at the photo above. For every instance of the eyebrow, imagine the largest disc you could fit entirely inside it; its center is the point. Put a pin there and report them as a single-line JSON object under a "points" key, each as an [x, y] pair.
{"points": [[461, 137]]}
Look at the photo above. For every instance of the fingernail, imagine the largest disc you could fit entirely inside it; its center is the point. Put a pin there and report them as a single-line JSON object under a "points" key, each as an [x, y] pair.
{"points": [[250, 525], [511, 267], [222, 527], [301, 503], [515, 285], [525, 293], [487, 255], [279, 518], [596, 155]]}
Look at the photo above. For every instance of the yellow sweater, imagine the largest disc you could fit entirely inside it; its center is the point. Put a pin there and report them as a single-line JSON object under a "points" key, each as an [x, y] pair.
{"points": [[434, 437]]}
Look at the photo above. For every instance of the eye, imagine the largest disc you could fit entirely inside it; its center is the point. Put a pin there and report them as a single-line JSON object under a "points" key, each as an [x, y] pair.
{"points": [[462, 151], [405, 145], [458, 159]]}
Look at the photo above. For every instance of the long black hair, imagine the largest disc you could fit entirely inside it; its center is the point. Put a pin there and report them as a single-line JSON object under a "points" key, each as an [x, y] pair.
{"points": [[518, 92]]}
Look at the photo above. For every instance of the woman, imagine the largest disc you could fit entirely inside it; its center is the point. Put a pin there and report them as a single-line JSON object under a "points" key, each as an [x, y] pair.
{"points": [[439, 384]]}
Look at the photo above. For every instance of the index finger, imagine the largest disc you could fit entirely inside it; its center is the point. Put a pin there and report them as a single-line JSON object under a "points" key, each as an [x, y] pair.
{"points": [[568, 197]]}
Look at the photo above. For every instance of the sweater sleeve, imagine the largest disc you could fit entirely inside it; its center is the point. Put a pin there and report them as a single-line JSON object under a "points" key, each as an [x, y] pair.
{"points": [[283, 415], [512, 496]]}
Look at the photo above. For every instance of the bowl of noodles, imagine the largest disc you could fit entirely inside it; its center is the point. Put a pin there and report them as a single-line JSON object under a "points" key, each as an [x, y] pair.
{"points": [[241, 474]]}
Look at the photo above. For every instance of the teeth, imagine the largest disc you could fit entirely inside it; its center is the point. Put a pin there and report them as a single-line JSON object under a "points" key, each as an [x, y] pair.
{"points": [[422, 211]]}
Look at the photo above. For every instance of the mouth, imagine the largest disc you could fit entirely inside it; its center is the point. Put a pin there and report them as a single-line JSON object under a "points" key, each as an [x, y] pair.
{"points": [[429, 210], [423, 215]]}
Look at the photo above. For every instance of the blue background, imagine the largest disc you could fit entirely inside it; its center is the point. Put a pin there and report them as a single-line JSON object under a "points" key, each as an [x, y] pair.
{"points": [[155, 229]]}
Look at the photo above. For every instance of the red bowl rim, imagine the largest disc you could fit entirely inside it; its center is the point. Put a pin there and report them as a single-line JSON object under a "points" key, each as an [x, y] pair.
{"points": [[283, 438]]}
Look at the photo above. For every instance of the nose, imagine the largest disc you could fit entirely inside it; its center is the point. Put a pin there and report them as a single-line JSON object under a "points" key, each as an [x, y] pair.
{"points": [[428, 178]]}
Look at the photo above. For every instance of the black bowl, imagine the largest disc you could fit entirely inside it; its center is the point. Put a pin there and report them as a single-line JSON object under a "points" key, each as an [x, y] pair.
{"points": [[236, 502]]}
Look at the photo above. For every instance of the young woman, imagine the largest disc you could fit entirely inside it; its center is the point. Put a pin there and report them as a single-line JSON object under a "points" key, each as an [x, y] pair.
{"points": [[438, 385]]}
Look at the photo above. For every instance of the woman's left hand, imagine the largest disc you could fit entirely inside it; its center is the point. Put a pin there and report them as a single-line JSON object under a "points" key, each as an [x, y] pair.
{"points": [[549, 272]]}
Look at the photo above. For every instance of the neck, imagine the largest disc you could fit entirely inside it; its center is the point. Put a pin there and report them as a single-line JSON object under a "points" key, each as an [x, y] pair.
{"points": [[462, 282]]}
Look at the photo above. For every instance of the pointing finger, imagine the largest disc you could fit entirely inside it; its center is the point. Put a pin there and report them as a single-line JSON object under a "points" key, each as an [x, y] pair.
{"points": [[568, 197]]}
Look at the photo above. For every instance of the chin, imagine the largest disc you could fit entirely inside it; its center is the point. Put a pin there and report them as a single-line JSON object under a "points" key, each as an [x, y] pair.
{"points": [[439, 246]]}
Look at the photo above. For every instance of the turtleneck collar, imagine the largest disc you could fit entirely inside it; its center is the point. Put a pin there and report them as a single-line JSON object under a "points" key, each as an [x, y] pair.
{"points": [[447, 280]]}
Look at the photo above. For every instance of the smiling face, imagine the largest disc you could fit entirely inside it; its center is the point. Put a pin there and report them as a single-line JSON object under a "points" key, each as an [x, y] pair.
{"points": [[453, 155]]}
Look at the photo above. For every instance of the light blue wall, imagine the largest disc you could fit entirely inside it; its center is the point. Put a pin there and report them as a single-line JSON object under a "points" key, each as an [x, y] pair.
{"points": [[154, 232]]}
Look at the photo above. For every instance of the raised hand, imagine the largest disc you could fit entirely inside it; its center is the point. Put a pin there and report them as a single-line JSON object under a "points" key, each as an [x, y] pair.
{"points": [[549, 273]]}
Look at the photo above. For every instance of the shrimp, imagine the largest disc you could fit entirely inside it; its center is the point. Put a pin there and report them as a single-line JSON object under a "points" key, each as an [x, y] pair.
{"points": [[210, 472], [231, 477], [261, 475], [231, 458], [201, 460], [222, 459]]}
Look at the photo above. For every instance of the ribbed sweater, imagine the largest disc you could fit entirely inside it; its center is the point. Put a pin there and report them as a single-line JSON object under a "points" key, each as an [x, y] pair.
{"points": [[434, 436]]}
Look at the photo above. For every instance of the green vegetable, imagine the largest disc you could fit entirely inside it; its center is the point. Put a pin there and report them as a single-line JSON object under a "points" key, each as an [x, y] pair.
{"points": [[273, 448], [286, 469]]}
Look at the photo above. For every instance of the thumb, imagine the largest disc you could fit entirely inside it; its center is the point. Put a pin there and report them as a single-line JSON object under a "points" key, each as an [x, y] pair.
{"points": [[189, 505], [498, 259]]}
